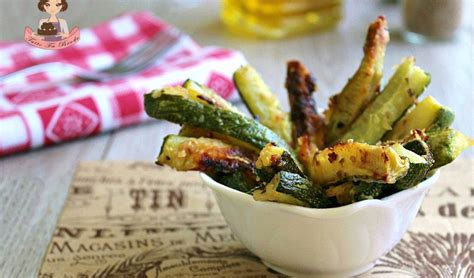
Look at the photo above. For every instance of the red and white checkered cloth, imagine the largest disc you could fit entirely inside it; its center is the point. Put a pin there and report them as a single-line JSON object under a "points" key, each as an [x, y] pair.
{"points": [[37, 109]]}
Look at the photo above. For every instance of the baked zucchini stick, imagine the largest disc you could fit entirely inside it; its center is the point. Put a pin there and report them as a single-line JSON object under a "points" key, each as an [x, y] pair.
{"points": [[428, 115], [261, 102], [346, 106], [407, 83], [230, 165], [204, 154], [201, 92], [306, 121], [420, 159], [446, 145], [176, 105], [357, 161]]}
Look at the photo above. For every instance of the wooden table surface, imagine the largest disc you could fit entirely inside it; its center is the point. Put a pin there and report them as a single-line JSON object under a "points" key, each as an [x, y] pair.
{"points": [[34, 185]]}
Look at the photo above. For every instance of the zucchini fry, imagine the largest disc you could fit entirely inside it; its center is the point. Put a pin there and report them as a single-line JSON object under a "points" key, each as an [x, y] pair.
{"points": [[406, 84], [230, 165], [204, 154], [306, 121], [346, 106], [261, 102], [217, 101], [357, 161], [291, 188], [176, 105], [446, 145], [420, 163], [428, 114]]}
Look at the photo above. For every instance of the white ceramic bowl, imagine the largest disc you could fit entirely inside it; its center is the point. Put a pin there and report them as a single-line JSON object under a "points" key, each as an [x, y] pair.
{"points": [[299, 241]]}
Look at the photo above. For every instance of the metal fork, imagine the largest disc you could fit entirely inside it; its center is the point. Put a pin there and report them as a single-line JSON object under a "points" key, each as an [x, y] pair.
{"points": [[139, 60]]}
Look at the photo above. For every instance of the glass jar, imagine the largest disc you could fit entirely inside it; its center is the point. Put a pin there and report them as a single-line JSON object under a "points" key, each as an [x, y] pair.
{"points": [[431, 19], [279, 18]]}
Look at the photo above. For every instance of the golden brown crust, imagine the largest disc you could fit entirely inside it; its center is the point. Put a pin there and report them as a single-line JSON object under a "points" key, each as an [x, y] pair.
{"points": [[306, 121], [206, 155], [345, 107], [376, 35]]}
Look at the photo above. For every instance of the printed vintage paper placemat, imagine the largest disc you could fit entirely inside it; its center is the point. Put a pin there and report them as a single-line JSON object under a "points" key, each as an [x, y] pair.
{"points": [[135, 219]]}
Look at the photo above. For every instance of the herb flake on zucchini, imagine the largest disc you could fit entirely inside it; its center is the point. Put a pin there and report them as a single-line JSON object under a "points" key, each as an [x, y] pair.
{"points": [[357, 161]]}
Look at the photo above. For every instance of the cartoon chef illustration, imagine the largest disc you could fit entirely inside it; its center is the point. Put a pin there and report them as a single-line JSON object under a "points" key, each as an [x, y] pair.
{"points": [[52, 28]]}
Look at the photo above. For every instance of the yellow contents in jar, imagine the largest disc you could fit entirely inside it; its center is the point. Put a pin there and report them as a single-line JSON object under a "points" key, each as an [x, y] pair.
{"points": [[279, 18]]}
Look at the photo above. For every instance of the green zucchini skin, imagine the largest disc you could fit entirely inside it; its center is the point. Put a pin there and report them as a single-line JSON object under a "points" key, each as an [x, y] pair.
{"points": [[298, 187], [421, 161], [416, 142], [443, 120], [177, 109], [414, 176], [407, 83], [366, 191], [446, 145], [239, 181], [273, 159], [302, 189]]}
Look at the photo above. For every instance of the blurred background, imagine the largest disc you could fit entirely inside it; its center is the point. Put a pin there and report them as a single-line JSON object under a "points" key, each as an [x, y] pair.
{"points": [[333, 55]]}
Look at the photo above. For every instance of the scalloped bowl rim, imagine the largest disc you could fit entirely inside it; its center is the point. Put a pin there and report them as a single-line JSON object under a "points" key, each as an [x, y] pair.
{"points": [[337, 212]]}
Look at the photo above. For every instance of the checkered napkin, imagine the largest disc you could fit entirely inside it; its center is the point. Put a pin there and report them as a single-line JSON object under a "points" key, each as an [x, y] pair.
{"points": [[37, 108]]}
